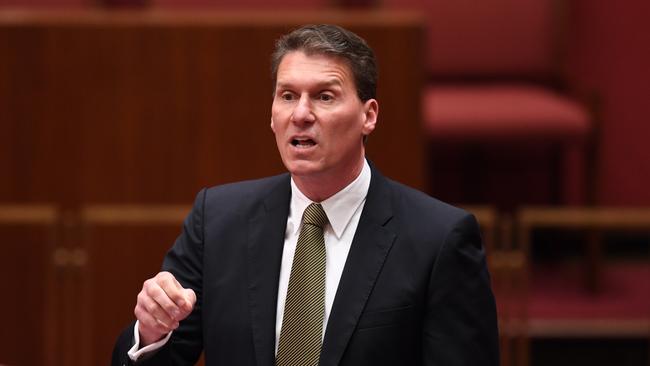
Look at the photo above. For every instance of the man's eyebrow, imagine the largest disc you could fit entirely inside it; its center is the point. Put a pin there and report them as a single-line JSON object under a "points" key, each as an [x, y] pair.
{"points": [[325, 83], [282, 85], [330, 82]]}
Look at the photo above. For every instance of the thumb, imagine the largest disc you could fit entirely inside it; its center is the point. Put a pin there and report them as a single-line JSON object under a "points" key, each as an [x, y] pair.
{"points": [[190, 298]]}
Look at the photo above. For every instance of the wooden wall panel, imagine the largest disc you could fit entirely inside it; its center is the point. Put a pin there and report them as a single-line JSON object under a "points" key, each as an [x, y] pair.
{"points": [[121, 247], [27, 276], [149, 107]]}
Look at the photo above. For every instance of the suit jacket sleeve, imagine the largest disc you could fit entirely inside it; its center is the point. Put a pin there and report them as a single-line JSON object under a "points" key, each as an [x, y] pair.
{"points": [[184, 260], [460, 326]]}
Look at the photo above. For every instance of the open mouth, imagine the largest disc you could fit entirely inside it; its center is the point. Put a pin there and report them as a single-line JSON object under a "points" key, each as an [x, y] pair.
{"points": [[303, 142]]}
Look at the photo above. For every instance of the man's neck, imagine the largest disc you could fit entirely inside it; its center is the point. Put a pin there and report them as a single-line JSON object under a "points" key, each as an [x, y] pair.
{"points": [[323, 186]]}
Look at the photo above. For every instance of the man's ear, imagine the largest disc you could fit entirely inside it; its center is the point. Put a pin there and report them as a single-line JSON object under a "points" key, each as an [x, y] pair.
{"points": [[370, 114]]}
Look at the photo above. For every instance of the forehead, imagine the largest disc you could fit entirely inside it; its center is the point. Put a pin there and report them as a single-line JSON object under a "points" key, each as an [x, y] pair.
{"points": [[302, 66]]}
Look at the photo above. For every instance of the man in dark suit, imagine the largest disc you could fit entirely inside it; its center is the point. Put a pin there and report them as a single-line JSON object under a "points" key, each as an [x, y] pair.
{"points": [[392, 276]]}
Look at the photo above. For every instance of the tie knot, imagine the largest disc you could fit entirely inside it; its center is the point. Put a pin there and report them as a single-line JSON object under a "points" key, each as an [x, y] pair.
{"points": [[315, 215]]}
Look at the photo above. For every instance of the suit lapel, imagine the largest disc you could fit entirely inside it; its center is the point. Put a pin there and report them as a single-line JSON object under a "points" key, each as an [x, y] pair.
{"points": [[370, 246], [266, 230]]}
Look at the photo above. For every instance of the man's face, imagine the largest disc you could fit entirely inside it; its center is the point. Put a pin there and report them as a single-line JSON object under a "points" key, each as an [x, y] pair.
{"points": [[318, 120]]}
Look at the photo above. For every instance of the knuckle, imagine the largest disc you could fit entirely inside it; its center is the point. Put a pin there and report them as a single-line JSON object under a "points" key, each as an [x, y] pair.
{"points": [[164, 276], [150, 307], [141, 296], [148, 282], [152, 290], [139, 311], [169, 308]]}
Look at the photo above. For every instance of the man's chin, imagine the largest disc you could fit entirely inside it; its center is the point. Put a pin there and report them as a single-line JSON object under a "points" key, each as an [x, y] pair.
{"points": [[304, 169]]}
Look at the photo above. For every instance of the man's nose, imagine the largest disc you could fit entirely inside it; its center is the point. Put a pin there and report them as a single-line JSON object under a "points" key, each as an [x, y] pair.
{"points": [[303, 112]]}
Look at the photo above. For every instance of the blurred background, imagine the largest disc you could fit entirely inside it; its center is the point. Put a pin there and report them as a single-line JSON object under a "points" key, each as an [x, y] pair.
{"points": [[532, 114]]}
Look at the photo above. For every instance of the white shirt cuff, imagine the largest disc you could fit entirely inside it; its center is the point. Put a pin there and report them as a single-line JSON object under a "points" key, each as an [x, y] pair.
{"points": [[135, 353]]}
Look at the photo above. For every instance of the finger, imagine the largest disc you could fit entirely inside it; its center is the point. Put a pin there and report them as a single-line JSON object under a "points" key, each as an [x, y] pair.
{"points": [[149, 324], [162, 299], [190, 298], [152, 306], [172, 288]]}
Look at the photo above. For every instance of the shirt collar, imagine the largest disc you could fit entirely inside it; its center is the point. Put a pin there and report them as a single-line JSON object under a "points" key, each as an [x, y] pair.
{"points": [[339, 208]]}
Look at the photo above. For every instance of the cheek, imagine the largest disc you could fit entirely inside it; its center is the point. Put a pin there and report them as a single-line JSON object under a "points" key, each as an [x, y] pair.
{"points": [[343, 137], [275, 113], [276, 121], [279, 116]]}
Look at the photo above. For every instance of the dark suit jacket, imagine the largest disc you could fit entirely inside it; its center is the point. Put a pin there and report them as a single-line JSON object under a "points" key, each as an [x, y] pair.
{"points": [[415, 289]]}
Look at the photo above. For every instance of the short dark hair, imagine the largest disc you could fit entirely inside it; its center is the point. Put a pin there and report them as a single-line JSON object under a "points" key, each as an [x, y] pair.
{"points": [[331, 40]]}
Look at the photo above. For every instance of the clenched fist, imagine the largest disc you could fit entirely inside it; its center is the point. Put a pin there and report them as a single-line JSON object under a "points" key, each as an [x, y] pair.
{"points": [[162, 303]]}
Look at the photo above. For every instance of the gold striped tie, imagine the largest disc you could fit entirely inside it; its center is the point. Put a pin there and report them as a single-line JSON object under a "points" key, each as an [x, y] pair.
{"points": [[304, 310]]}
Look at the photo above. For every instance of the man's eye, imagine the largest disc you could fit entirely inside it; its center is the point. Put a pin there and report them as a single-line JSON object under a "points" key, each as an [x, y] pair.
{"points": [[325, 97]]}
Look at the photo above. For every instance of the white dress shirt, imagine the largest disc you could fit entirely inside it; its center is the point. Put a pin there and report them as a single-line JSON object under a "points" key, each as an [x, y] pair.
{"points": [[343, 211]]}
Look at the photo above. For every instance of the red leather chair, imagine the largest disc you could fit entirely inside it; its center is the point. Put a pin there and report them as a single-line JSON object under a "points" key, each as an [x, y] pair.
{"points": [[496, 85]]}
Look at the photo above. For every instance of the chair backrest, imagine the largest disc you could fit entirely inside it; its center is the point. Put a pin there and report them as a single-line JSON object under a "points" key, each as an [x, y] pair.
{"points": [[246, 4], [469, 38]]}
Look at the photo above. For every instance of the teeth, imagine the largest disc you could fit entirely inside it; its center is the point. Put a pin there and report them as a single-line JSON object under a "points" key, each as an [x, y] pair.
{"points": [[303, 142]]}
